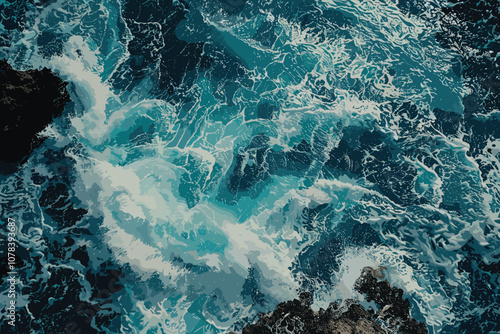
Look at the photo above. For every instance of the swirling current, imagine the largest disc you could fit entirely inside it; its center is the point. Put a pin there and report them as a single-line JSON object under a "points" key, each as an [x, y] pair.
{"points": [[218, 158]]}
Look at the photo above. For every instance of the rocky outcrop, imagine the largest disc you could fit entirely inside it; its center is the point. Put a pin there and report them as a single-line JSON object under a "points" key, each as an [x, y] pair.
{"points": [[393, 309], [296, 316], [349, 317], [29, 100]]}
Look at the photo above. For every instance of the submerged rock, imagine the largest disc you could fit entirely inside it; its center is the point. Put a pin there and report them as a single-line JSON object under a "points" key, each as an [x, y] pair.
{"points": [[29, 100], [349, 317]]}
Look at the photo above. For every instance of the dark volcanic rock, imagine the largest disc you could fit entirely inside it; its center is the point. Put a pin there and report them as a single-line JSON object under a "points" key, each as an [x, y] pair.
{"points": [[29, 101], [296, 316], [393, 308]]}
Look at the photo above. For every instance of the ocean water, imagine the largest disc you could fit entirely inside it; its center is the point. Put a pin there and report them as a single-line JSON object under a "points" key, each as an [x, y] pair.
{"points": [[218, 158]]}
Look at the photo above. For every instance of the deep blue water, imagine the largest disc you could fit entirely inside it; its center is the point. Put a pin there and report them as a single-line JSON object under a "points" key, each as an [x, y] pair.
{"points": [[218, 158]]}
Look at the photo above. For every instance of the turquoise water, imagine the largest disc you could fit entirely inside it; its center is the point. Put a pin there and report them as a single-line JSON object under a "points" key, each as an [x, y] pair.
{"points": [[289, 162]]}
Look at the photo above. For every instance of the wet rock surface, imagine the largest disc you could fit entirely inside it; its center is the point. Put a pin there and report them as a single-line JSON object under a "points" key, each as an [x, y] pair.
{"points": [[394, 310], [297, 316], [29, 101]]}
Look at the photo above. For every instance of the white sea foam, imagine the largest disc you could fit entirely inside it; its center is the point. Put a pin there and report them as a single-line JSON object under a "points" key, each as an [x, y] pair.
{"points": [[135, 189]]}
